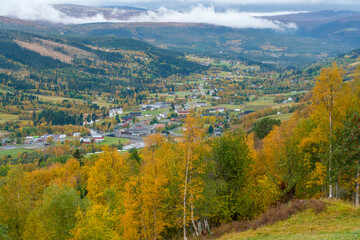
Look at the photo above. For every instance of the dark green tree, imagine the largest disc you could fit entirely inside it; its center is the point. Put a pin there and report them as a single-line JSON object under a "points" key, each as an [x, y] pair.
{"points": [[263, 127], [211, 130], [233, 161], [77, 154], [348, 149]]}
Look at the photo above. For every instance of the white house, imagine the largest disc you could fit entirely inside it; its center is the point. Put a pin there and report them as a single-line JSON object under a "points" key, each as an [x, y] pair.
{"points": [[220, 109], [97, 138], [160, 116], [200, 104], [115, 111]]}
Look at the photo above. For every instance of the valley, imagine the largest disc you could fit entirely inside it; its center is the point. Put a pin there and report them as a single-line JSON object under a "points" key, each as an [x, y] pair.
{"points": [[179, 130]]}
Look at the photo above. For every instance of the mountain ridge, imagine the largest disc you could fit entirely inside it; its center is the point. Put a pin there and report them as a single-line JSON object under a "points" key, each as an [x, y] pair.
{"points": [[330, 34]]}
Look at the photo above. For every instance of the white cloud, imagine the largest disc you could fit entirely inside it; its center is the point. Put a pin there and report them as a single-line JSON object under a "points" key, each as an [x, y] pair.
{"points": [[202, 14], [42, 10]]}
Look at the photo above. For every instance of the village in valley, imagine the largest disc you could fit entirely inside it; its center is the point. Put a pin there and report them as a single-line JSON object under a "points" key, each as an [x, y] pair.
{"points": [[228, 92]]}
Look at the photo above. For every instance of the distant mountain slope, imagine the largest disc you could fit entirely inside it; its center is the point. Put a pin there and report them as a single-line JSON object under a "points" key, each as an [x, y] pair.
{"points": [[283, 48], [336, 26], [320, 35], [312, 20], [10, 23], [97, 64]]}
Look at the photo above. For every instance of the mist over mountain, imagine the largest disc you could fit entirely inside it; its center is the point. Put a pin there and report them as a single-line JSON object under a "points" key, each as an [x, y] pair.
{"points": [[281, 38]]}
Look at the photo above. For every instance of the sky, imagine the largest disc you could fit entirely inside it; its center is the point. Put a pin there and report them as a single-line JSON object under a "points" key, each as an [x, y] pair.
{"points": [[231, 13]]}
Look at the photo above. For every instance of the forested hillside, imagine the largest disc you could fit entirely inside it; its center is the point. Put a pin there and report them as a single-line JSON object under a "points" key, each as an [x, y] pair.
{"points": [[95, 64], [120, 71]]}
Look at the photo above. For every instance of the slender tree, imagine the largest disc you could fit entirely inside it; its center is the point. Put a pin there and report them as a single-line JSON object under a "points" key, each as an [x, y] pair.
{"points": [[327, 104], [349, 149], [189, 169]]}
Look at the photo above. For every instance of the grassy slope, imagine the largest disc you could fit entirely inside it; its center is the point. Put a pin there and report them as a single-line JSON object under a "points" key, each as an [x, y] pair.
{"points": [[339, 221]]}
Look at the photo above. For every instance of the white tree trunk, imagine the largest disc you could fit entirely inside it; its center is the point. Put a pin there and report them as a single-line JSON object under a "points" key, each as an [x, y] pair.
{"points": [[357, 187], [330, 156], [192, 212], [185, 189]]}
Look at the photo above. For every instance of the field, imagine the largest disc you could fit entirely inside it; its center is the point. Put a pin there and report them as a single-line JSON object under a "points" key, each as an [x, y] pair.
{"points": [[14, 152], [281, 117], [261, 103], [180, 94], [55, 99], [7, 117], [112, 140], [339, 221], [103, 103], [153, 113]]}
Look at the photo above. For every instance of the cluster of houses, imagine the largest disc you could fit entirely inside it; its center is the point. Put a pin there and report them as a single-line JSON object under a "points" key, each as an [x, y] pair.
{"points": [[139, 130], [288, 100], [128, 118], [116, 111], [205, 63], [43, 139], [154, 106], [95, 138], [216, 109]]}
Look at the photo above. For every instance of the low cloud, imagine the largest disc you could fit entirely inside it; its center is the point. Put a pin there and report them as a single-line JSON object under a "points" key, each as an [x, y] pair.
{"points": [[42, 11], [202, 14]]}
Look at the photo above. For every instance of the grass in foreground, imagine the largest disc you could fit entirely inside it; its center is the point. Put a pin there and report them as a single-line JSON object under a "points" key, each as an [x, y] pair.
{"points": [[339, 221]]}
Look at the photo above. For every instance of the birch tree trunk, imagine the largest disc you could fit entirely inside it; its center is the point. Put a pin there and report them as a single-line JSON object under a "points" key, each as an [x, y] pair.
{"points": [[185, 189], [357, 186], [192, 212], [330, 155]]}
